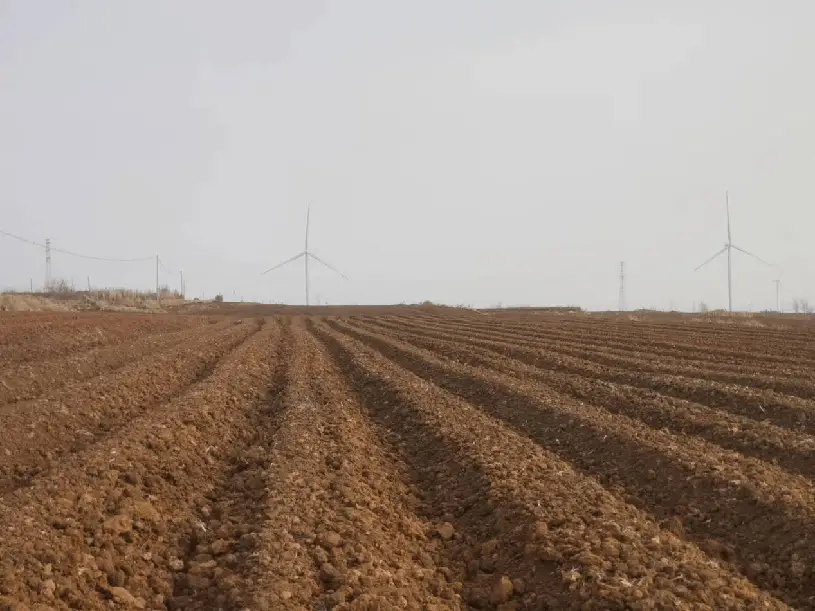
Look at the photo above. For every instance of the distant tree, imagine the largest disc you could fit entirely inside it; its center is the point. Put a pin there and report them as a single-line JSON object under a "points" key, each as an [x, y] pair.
{"points": [[805, 306], [796, 306], [703, 307], [219, 298]]}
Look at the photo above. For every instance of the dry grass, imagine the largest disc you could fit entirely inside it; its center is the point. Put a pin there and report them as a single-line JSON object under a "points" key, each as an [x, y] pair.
{"points": [[112, 300], [10, 302]]}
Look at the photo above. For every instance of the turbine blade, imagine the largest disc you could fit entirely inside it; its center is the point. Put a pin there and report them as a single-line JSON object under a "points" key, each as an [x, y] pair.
{"points": [[711, 259], [752, 255], [727, 203], [294, 258], [332, 268]]}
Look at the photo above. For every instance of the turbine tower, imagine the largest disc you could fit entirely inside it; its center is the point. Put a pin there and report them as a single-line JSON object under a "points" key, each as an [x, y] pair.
{"points": [[777, 295], [305, 255], [728, 248]]}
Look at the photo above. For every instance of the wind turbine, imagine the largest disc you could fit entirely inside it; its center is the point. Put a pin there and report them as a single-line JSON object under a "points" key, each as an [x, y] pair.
{"points": [[728, 248], [305, 256], [777, 295]]}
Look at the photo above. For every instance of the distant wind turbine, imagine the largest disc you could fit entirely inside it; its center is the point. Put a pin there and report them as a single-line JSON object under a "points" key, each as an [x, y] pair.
{"points": [[305, 256], [728, 247], [777, 295]]}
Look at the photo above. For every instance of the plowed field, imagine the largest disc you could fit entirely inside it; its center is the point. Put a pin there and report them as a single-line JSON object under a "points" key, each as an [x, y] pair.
{"points": [[405, 459]]}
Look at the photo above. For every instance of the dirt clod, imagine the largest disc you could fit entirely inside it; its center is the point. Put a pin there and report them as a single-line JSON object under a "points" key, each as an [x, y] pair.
{"points": [[118, 525], [501, 591], [446, 531], [330, 540], [123, 597]]}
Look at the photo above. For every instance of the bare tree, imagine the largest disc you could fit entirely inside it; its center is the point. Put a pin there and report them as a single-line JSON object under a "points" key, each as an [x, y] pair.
{"points": [[703, 307]]}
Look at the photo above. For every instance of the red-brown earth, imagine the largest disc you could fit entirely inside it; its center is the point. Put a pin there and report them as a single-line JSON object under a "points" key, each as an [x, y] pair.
{"points": [[405, 458]]}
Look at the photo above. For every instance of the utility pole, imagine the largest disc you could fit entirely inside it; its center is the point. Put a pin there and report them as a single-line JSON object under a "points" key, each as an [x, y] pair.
{"points": [[47, 265], [777, 296], [621, 304], [31, 283], [89, 284]]}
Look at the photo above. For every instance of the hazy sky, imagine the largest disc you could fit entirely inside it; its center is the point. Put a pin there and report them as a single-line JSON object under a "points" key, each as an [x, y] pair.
{"points": [[461, 151]]}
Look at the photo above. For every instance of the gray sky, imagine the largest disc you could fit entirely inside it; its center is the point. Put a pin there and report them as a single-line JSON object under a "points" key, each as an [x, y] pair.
{"points": [[462, 151]]}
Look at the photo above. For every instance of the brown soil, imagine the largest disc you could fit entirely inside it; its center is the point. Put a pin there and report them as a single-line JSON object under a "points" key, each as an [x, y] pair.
{"points": [[404, 458], [784, 410]]}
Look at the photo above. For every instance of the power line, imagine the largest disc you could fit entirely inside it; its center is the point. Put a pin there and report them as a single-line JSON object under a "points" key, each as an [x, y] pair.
{"points": [[111, 259], [16, 237], [71, 253]]}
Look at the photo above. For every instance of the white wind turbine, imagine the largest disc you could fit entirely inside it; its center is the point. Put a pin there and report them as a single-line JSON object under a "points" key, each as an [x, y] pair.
{"points": [[305, 256], [728, 247]]}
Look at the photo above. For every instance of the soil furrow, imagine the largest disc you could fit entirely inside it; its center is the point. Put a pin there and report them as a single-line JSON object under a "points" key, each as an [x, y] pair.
{"points": [[39, 433], [695, 331], [110, 528], [761, 405], [91, 331], [793, 451], [749, 514], [518, 511], [228, 530], [339, 531], [30, 380], [718, 349], [628, 340], [796, 381], [708, 358]]}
